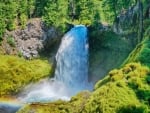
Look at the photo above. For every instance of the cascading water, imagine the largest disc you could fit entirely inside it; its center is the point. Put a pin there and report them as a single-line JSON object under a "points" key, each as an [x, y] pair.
{"points": [[71, 74], [72, 59]]}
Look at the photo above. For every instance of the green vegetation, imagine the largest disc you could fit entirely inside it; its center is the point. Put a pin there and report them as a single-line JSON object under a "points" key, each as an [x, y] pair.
{"points": [[14, 13], [142, 52], [16, 72], [51, 15], [71, 12], [11, 41], [111, 8], [124, 90], [131, 79]]}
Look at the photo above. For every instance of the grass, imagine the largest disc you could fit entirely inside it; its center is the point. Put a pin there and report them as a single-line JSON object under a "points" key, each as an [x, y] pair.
{"points": [[17, 72]]}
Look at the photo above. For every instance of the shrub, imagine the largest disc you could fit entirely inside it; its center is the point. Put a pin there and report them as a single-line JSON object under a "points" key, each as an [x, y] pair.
{"points": [[11, 41]]}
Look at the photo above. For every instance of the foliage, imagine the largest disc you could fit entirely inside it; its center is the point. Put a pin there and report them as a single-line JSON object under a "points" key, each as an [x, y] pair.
{"points": [[52, 17], [14, 13], [23, 20], [17, 72], [111, 8], [72, 12], [11, 41]]}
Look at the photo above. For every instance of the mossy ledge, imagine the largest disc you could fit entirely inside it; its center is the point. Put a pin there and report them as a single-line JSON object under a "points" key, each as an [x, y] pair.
{"points": [[15, 73]]}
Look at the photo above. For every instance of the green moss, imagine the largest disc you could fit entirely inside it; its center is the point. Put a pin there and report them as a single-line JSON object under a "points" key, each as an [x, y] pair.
{"points": [[128, 94], [141, 53], [17, 72], [130, 91], [109, 98]]}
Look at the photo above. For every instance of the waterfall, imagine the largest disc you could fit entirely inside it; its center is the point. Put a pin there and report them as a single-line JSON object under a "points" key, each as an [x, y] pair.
{"points": [[72, 59], [71, 74]]}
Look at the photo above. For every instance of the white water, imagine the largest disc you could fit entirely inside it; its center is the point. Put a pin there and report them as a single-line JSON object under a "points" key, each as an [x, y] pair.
{"points": [[71, 74]]}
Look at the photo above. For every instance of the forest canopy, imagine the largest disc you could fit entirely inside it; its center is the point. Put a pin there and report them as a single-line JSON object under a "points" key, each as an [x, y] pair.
{"points": [[59, 13]]}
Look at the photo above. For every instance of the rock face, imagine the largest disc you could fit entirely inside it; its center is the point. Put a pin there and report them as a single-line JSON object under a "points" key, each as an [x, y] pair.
{"points": [[35, 37], [128, 19]]}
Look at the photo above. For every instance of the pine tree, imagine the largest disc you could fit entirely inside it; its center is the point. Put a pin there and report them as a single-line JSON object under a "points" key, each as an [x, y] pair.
{"points": [[10, 13], [56, 13]]}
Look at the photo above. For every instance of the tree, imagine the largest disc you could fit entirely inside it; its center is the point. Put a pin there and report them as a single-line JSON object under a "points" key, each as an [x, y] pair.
{"points": [[87, 12], [39, 7], [56, 13], [112, 8], [2, 21], [10, 14]]}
